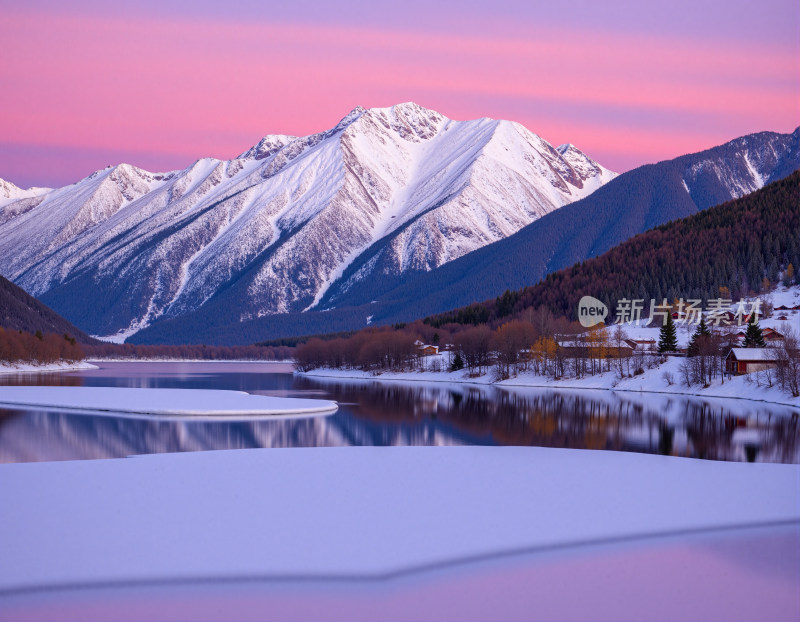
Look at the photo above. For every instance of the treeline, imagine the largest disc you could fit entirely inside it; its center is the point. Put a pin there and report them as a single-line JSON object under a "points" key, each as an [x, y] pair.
{"points": [[293, 342], [17, 346], [188, 352], [477, 348], [542, 344], [545, 346], [740, 247]]}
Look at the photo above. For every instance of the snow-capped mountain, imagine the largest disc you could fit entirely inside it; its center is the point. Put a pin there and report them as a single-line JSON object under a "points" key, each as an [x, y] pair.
{"points": [[288, 225]]}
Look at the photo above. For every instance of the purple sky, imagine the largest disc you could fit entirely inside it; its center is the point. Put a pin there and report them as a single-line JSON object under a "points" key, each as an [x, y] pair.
{"points": [[158, 85]]}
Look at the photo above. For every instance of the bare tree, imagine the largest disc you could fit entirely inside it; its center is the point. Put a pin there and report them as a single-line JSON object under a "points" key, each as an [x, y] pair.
{"points": [[787, 359]]}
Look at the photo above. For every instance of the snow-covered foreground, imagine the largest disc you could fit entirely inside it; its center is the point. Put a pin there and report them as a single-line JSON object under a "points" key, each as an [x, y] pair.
{"points": [[33, 368], [463, 533], [361, 512], [652, 381], [161, 402]]}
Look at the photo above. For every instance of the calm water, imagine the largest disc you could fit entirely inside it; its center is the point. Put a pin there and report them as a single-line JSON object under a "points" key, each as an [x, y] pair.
{"points": [[391, 413]]}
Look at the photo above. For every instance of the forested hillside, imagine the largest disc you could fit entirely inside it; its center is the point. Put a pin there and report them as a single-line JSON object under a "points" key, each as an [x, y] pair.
{"points": [[632, 203], [21, 311], [736, 245]]}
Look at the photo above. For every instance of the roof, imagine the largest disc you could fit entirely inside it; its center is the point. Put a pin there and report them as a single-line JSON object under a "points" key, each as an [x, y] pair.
{"points": [[753, 354]]}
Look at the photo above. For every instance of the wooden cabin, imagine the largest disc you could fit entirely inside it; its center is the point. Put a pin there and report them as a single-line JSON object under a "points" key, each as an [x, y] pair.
{"points": [[748, 360], [647, 345]]}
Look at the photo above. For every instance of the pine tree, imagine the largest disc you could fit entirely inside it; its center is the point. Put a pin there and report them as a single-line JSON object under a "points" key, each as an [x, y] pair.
{"points": [[753, 337], [458, 363], [668, 339], [700, 334]]}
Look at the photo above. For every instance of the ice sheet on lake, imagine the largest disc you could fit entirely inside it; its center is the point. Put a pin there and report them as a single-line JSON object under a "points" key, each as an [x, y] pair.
{"points": [[162, 402]]}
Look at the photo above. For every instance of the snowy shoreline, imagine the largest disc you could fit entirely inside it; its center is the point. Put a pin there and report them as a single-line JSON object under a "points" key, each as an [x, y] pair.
{"points": [[33, 368], [651, 381]]}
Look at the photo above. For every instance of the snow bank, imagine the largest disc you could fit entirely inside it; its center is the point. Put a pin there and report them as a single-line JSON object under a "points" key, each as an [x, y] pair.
{"points": [[356, 512], [33, 368], [164, 402]]}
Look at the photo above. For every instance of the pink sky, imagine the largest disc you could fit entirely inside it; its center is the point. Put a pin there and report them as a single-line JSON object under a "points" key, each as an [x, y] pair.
{"points": [[149, 86]]}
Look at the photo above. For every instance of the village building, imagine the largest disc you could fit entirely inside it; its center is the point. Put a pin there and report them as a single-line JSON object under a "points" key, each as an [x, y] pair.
{"points": [[647, 345], [748, 360]]}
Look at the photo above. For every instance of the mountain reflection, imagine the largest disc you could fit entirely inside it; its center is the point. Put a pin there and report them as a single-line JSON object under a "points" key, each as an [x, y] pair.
{"points": [[387, 413]]}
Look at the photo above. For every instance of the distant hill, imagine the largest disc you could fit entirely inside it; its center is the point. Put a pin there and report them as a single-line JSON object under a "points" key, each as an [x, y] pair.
{"points": [[21, 311], [734, 245], [632, 203]]}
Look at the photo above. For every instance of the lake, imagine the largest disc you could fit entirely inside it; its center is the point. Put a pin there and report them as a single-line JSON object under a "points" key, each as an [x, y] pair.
{"points": [[395, 413]]}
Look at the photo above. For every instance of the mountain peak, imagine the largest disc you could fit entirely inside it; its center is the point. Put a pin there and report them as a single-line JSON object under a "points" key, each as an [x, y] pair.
{"points": [[6, 188], [351, 116], [410, 120], [271, 143], [9, 190]]}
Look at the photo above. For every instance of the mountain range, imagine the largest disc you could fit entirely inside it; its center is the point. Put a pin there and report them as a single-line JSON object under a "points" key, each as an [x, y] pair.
{"points": [[393, 214], [632, 203], [287, 225]]}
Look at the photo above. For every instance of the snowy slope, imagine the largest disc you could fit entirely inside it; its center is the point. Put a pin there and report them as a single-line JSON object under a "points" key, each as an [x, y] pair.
{"points": [[275, 230]]}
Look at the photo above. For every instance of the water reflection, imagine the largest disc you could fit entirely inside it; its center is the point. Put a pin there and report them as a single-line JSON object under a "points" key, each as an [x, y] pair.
{"points": [[376, 413]]}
